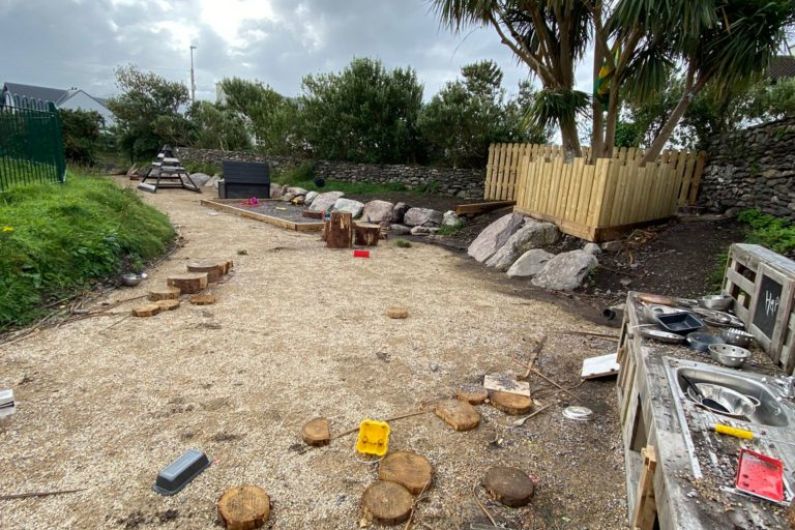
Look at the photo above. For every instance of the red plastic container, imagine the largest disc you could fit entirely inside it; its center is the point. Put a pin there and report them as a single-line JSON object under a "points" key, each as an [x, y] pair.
{"points": [[361, 253]]}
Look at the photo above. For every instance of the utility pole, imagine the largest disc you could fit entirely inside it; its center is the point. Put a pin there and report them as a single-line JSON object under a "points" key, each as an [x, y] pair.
{"points": [[192, 77]]}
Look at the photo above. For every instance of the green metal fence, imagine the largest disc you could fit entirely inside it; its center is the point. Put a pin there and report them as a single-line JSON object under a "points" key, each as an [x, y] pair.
{"points": [[31, 143]]}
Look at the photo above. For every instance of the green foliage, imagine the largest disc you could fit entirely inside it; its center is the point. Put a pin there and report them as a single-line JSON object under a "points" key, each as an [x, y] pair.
{"points": [[217, 127], [304, 172], [148, 112], [208, 168], [772, 232], [402, 243], [448, 230], [363, 114], [81, 135], [57, 239]]}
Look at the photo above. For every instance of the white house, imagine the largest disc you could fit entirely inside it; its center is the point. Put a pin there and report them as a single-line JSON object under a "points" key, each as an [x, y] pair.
{"points": [[71, 99]]}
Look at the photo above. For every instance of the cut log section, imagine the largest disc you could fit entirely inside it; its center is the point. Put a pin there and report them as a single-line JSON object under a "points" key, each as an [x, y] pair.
{"points": [[412, 471], [367, 234], [387, 503], [190, 283], [316, 432], [339, 230], [147, 310], [472, 394], [203, 299], [166, 293], [459, 415], [512, 404], [397, 312], [168, 305], [508, 485], [244, 508], [215, 270]]}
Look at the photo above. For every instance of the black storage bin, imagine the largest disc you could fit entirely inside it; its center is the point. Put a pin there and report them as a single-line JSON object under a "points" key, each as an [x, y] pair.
{"points": [[243, 180]]}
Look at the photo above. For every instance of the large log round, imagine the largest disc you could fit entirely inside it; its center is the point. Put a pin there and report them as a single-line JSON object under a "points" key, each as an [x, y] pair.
{"points": [[189, 283], [412, 471], [387, 503], [244, 508], [509, 403], [509, 485]]}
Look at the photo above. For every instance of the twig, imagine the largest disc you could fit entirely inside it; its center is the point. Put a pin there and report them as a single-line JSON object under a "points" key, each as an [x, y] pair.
{"points": [[551, 382], [414, 506], [394, 418], [37, 494], [589, 333], [117, 322], [29, 333], [480, 505]]}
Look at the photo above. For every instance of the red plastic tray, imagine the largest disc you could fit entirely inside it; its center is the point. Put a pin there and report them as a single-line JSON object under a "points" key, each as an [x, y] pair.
{"points": [[760, 475]]}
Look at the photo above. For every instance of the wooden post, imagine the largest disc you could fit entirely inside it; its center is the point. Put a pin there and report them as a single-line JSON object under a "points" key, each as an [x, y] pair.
{"points": [[645, 512], [339, 232], [367, 234]]}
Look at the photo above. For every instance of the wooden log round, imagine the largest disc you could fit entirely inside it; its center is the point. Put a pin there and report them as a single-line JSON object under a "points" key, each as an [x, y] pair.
{"points": [[244, 508], [165, 293], [412, 471], [472, 394], [316, 432], [168, 305], [203, 299], [339, 230], [146, 310], [189, 283], [508, 485], [387, 503], [459, 415], [215, 269], [513, 404], [367, 234], [397, 312]]}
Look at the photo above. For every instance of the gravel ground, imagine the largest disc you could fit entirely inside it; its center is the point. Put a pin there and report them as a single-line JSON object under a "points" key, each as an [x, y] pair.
{"points": [[299, 331]]}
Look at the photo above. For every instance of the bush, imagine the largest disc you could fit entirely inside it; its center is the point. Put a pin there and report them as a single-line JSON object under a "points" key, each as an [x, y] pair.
{"points": [[81, 135], [208, 168], [57, 239], [772, 232]]}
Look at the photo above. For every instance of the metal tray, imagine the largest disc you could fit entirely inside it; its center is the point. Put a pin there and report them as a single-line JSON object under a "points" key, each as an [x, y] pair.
{"points": [[682, 322]]}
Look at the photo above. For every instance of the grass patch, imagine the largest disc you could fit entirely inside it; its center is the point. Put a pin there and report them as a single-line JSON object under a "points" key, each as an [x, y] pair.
{"points": [[772, 232], [402, 243], [57, 239], [447, 230]]}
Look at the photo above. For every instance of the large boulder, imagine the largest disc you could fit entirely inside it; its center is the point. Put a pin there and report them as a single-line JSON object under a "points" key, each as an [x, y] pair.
{"points": [[200, 179], [377, 212], [423, 230], [324, 201], [494, 236], [566, 271], [399, 212], [213, 182], [349, 205], [399, 230], [530, 263], [451, 218], [532, 235], [309, 197], [592, 248], [422, 217], [296, 191], [277, 190]]}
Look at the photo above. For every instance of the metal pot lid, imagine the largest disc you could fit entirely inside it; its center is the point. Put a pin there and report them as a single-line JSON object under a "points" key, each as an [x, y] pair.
{"points": [[577, 413]]}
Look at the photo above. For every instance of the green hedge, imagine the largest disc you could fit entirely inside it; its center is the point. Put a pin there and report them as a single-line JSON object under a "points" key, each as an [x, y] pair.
{"points": [[56, 239]]}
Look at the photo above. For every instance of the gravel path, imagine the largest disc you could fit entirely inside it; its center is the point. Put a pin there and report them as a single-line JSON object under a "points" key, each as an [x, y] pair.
{"points": [[299, 331]]}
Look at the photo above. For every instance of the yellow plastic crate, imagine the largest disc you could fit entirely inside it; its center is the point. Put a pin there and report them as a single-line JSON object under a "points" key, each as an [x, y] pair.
{"points": [[373, 438]]}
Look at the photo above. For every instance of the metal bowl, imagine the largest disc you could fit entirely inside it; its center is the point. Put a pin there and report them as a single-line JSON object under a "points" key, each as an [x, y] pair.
{"points": [[701, 341], [734, 403], [728, 355], [718, 302], [737, 337], [131, 279]]}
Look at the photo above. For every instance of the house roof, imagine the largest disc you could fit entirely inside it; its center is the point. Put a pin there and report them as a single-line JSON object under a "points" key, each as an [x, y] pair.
{"points": [[781, 67], [55, 95]]}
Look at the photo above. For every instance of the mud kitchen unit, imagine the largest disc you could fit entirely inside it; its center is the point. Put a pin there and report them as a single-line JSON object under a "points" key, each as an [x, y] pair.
{"points": [[680, 473]]}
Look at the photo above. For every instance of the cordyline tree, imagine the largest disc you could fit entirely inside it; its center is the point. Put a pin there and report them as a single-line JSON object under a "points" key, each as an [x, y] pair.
{"points": [[635, 44]]}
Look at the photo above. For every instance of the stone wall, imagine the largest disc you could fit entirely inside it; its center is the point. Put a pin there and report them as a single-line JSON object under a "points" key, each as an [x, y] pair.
{"points": [[461, 183], [752, 168]]}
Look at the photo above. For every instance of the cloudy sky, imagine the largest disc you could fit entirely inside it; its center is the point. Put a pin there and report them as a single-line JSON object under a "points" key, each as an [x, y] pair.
{"points": [[65, 43]]}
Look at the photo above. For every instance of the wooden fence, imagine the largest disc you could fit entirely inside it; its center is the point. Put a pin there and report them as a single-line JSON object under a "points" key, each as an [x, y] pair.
{"points": [[502, 171], [596, 201]]}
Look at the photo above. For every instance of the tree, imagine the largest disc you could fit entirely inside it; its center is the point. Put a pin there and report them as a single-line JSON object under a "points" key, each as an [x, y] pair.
{"points": [[217, 127], [148, 112], [363, 114], [467, 115], [81, 134], [635, 43]]}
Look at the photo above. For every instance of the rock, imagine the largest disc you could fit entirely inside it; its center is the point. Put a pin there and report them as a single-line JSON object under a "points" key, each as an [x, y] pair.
{"points": [[310, 197], [277, 190], [324, 201], [530, 263], [399, 212], [287, 197], [423, 230], [399, 230], [450, 218], [213, 182], [348, 205], [377, 212], [613, 246], [592, 248], [532, 235], [422, 217], [566, 271], [200, 179], [296, 191], [494, 236]]}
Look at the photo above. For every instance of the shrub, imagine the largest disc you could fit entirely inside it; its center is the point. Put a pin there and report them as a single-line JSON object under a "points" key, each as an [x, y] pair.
{"points": [[772, 232]]}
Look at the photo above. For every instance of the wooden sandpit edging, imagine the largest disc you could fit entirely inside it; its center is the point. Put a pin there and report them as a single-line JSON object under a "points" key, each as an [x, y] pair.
{"points": [[233, 206]]}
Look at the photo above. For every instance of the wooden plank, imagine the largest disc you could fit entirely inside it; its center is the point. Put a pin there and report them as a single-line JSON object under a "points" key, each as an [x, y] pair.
{"points": [[645, 512], [609, 198], [503, 156], [482, 207], [697, 174], [487, 189], [596, 202], [276, 221], [687, 177], [601, 366]]}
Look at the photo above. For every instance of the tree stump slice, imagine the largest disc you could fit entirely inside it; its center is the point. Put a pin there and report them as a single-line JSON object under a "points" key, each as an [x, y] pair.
{"points": [[339, 230], [367, 234], [147, 310], [512, 404], [472, 394], [412, 471], [387, 503], [215, 270], [244, 508], [316, 432], [203, 299], [397, 312], [168, 305], [508, 485], [190, 283], [459, 415], [166, 293]]}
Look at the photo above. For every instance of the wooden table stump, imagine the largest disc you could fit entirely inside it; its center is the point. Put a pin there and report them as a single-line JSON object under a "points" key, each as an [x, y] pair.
{"points": [[244, 508], [459, 415], [367, 234], [387, 503], [339, 230], [189, 283], [412, 471]]}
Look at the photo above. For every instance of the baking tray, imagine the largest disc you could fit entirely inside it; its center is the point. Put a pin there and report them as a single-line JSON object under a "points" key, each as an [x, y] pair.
{"points": [[682, 322]]}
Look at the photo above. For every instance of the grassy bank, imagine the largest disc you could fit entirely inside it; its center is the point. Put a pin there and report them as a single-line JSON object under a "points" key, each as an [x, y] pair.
{"points": [[58, 239]]}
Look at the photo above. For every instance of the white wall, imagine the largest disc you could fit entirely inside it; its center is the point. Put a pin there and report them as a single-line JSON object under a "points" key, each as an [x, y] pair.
{"points": [[83, 101]]}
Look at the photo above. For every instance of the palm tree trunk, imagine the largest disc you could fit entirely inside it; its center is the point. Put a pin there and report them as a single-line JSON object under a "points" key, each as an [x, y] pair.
{"points": [[570, 137], [664, 135], [612, 120]]}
